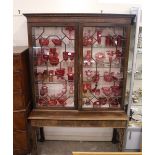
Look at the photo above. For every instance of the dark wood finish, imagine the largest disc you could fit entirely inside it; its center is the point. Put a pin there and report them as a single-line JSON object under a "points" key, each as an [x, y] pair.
{"points": [[18, 151], [19, 120], [19, 139], [21, 101], [105, 18], [78, 118]]}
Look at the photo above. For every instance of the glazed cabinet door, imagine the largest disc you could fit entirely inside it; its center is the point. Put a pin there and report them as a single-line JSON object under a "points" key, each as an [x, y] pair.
{"points": [[104, 58], [54, 57]]}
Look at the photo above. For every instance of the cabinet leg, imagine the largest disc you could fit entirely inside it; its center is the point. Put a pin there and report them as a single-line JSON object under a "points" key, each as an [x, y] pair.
{"points": [[121, 134], [115, 139], [42, 136], [34, 141]]}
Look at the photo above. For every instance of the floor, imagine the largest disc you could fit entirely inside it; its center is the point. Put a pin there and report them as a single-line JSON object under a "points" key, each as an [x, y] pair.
{"points": [[67, 147]]}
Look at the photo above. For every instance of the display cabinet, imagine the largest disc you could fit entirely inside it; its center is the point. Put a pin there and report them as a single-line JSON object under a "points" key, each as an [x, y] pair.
{"points": [[135, 74], [79, 61], [78, 65], [134, 87]]}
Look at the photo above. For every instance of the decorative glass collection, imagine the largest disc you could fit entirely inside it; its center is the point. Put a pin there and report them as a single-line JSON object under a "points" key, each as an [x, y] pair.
{"points": [[102, 69], [53, 63], [103, 57]]}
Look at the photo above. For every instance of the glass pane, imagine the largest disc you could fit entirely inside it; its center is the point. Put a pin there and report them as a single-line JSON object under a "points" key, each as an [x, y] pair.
{"points": [[53, 65], [103, 59]]}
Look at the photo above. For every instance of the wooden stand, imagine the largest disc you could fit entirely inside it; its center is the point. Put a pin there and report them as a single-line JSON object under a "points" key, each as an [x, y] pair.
{"points": [[41, 118]]}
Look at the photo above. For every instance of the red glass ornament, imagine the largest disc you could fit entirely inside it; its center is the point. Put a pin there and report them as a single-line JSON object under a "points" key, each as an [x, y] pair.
{"points": [[57, 42], [119, 40], [96, 104], [116, 90], [114, 102], [71, 56], [108, 40], [103, 100], [46, 54], [107, 91], [43, 42], [52, 102], [44, 90], [108, 76], [96, 77], [53, 57], [60, 72], [99, 56], [42, 101]]}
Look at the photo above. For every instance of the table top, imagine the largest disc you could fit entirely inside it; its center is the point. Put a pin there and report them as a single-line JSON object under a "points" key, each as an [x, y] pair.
{"points": [[37, 114]]}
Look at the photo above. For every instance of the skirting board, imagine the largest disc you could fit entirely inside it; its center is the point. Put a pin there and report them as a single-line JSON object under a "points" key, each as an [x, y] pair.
{"points": [[78, 134]]}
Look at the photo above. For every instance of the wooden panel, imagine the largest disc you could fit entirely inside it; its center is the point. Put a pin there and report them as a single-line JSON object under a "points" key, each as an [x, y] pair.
{"points": [[20, 139], [106, 18], [78, 123], [78, 119], [107, 153], [16, 63], [19, 120], [17, 81], [19, 101]]}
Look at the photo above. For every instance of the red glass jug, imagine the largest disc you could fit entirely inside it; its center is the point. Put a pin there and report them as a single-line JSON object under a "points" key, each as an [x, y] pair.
{"points": [[53, 57]]}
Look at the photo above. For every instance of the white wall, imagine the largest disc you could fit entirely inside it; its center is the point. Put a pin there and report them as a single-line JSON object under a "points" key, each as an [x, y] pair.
{"points": [[64, 6], [59, 6]]}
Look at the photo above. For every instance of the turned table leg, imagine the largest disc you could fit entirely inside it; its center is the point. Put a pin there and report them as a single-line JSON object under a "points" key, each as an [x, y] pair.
{"points": [[42, 136], [34, 141]]}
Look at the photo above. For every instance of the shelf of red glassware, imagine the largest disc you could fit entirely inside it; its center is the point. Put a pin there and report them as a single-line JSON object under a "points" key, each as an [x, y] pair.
{"points": [[59, 82], [104, 47], [103, 67]]}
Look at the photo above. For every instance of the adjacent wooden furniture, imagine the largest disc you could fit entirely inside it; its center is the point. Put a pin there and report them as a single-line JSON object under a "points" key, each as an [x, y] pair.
{"points": [[107, 153], [21, 101], [82, 42]]}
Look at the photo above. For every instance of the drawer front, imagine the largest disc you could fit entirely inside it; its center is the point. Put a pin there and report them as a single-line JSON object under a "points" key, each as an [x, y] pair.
{"points": [[20, 140], [19, 120], [19, 101], [17, 63], [17, 81]]}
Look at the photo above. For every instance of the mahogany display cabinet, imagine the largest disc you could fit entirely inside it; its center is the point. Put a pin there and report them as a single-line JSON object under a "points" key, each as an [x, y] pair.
{"points": [[78, 66]]}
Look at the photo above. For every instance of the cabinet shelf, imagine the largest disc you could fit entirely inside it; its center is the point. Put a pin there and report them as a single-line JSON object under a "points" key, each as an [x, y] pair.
{"points": [[104, 47]]}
